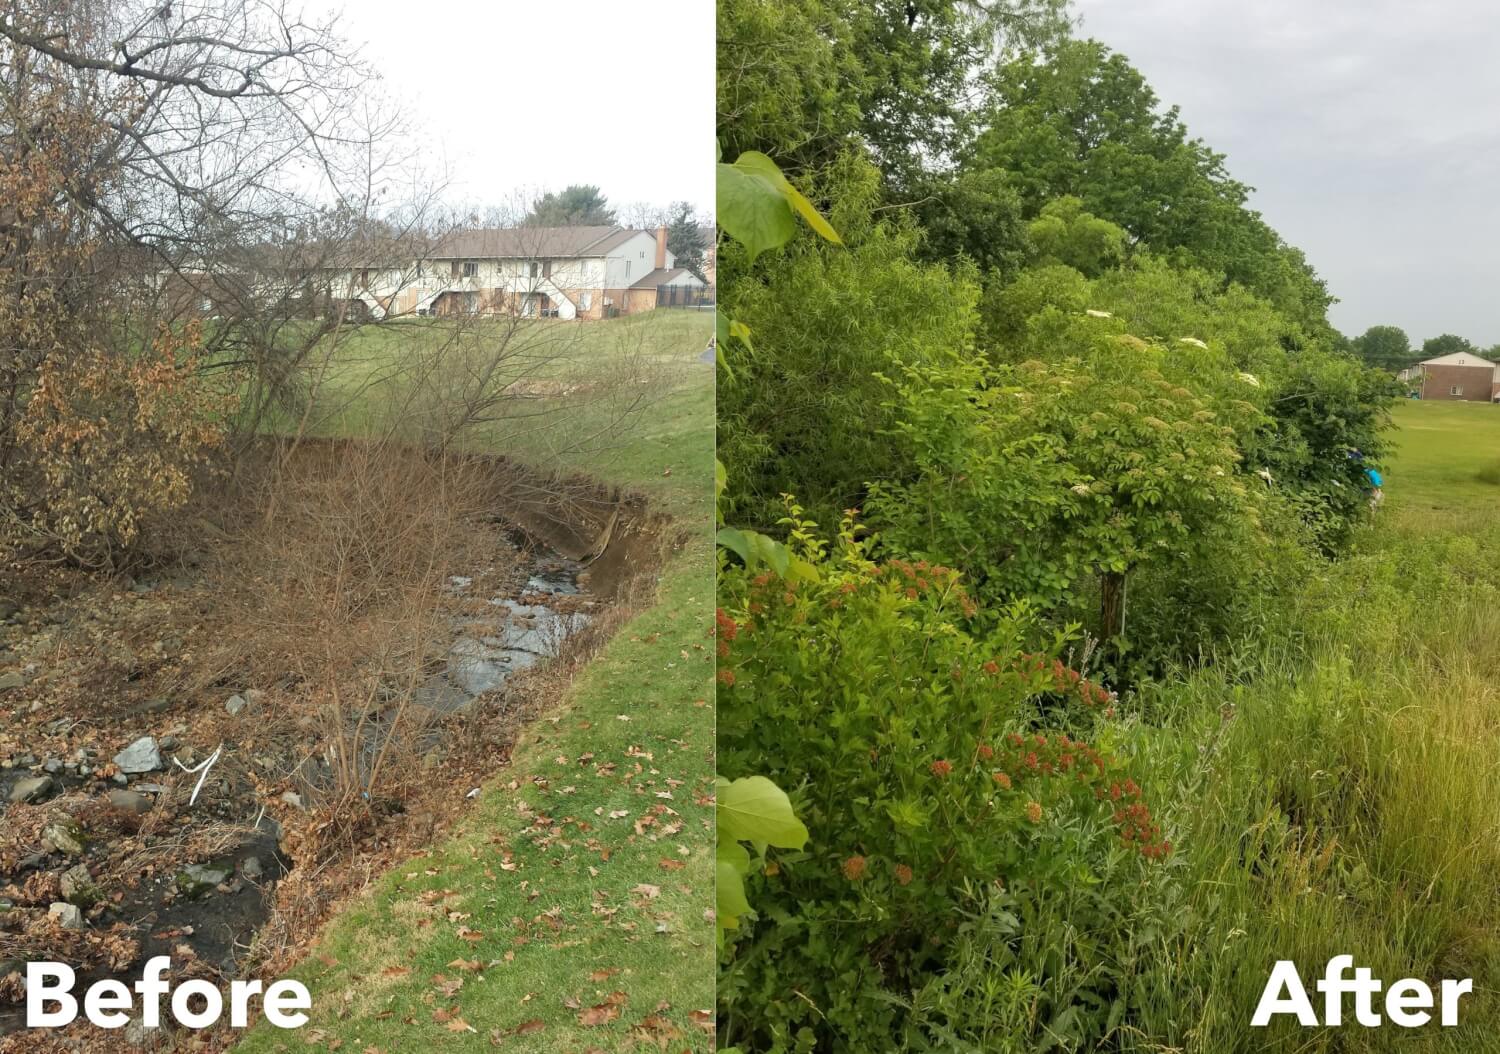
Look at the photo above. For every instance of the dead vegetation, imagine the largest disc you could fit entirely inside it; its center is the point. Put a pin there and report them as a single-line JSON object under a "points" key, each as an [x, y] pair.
{"points": [[244, 665], [325, 592]]}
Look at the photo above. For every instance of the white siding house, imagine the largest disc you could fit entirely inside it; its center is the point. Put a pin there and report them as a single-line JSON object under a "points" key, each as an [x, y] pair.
{"points": [[547, 272]]}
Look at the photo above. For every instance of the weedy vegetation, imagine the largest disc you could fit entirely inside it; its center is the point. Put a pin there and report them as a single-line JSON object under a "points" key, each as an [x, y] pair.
{"points": [[1051, 593]]}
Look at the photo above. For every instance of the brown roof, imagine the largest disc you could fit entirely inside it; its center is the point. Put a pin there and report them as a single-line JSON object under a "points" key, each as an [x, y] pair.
{"points": [[619, 237], [529, 243], [662, 276]]}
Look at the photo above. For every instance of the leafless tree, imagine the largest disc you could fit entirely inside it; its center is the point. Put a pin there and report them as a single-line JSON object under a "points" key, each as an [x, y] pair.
{"points": [[160, 156], [231, 163], [486, 346]]}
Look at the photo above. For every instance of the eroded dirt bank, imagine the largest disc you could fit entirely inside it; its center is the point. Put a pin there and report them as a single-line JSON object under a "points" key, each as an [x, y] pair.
{"points": [[200, 758]]}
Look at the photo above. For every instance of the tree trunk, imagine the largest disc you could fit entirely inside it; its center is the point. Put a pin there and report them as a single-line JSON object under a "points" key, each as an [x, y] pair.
{"points": [[1112, 604]]}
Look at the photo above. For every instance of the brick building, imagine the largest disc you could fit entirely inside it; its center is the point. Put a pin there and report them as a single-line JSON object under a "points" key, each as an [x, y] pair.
{"points": [[1460, 376]]}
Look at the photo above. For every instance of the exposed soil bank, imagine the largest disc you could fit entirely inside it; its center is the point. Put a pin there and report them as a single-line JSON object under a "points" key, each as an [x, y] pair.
{"points": [[294, 775]]}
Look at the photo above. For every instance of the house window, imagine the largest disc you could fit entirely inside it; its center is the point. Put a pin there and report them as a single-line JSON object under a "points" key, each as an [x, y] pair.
{"points": [[546, 268], [532, 269], [1455, 390], [587, 300], [471, 268], [627, 268]]}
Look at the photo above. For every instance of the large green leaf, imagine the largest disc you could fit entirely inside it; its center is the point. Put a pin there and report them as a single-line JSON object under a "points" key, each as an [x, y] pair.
{"points": [[731, 865], [752, 209], [761, 165], [755, 549], [756, 205], [754, 809], [741, 332]]}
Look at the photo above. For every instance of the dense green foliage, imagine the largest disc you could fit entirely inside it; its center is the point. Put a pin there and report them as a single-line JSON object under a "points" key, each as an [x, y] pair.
{"points": [[1042, 479], [1447, 344], [805, 412], [1083, 122], [802, 81], [1385, 348], [1088, 404], [930, 757]]}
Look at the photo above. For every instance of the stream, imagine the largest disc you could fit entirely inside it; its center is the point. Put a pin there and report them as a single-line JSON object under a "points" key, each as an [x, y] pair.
{"points": [[523, 626]]}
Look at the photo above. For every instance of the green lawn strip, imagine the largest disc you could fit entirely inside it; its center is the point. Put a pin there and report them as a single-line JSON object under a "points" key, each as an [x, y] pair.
{"points": [[560, 915], [1440, 450]]}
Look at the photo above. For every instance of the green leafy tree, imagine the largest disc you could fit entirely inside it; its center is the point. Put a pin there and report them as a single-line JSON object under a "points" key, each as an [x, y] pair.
{"points": [[1012, 312], [1385, 348], [807, 411], [578, 205], [1318, 403], [1065, 234], [1040, 478], [1082, 121], [975, 214], [1447, 344], [802, 80]]}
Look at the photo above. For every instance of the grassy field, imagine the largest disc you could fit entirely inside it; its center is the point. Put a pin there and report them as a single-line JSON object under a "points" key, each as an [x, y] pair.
{"points": [[567, 910], [573, 392], [1441, 449], [1337, 793]]}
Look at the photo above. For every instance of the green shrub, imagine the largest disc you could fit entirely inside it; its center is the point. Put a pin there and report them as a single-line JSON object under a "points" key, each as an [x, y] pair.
{"points": [[962, 798], [1229, 346], [805, 411], [1043, 480]]}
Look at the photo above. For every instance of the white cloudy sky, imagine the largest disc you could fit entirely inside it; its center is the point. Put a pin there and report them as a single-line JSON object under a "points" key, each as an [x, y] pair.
{"points": [[531, 95], [1370, 129]]}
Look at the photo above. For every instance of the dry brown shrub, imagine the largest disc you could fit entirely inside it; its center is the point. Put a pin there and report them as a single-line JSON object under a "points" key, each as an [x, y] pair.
{"points": [[337, 584]]}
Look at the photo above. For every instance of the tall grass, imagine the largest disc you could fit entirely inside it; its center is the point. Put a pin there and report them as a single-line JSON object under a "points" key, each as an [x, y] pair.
{"points": [[1344, 797]]}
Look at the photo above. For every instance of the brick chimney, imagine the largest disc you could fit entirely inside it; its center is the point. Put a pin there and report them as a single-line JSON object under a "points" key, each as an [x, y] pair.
{"points": [[661, 247]]}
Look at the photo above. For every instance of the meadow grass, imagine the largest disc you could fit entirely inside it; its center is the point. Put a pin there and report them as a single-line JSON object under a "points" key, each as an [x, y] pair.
{"points": [[1444, 451], [588, 931], [1341, 793]]}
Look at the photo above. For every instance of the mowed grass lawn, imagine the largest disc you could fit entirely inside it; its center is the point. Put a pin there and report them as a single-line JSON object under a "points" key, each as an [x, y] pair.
{"points": [[567, 910], [567, 394], [1441, 449]]}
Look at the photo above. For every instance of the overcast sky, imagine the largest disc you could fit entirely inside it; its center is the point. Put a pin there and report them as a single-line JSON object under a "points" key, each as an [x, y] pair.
{"points": [[542, 94], [1370, 129]]}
